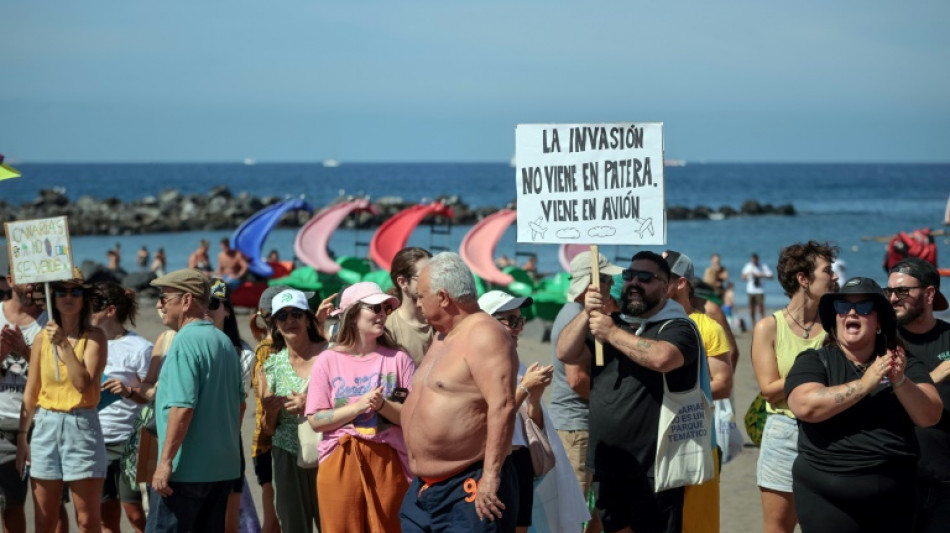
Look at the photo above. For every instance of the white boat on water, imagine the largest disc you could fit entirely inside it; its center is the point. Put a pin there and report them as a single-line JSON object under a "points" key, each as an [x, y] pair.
{"points": [[249, 161], [331, 163]]}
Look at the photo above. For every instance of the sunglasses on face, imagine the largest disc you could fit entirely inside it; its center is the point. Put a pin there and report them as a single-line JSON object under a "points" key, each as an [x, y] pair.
{"points": [[282, 315], [643, 276], [513, 322], [900, 292], [604, 279], [863, 308], [379, 308], [75, 292], [163, 299], [99, 304]]}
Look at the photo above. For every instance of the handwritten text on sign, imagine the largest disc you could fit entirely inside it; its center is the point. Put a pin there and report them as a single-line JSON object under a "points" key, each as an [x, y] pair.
{"points": [[39, 250], [590, 183]]}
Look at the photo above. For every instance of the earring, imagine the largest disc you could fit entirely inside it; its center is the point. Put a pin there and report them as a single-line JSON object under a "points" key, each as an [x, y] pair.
{"points": [[878, 331]]}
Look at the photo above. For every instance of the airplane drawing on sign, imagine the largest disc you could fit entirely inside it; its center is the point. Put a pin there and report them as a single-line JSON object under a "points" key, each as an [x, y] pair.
{"points": [[537, 228], [646, 224]]}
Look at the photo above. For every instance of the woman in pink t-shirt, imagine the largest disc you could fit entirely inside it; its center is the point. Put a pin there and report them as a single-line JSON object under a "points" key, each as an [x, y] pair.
{"points": [[351, 400]]}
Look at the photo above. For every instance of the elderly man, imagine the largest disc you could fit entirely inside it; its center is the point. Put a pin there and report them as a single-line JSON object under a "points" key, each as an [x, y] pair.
{"points": [[459, 418], [198, 412], [913, 288], [649, 342]]}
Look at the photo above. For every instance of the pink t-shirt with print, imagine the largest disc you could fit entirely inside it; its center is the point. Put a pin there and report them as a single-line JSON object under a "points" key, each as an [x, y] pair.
{"points": [[338, 379]]}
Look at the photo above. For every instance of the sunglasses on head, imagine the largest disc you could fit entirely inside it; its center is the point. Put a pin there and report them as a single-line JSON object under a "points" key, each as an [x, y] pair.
{"points": [[863, 308], [643, 276], [513, 322], [75, 292], [282, 315], [379, 308]]}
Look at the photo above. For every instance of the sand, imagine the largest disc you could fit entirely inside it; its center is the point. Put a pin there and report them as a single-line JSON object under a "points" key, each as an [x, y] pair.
{"points": [[740, 505]]}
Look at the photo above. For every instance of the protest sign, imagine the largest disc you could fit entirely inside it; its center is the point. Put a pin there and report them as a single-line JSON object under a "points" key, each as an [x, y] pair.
{"points": [[590, 183], [39, 250]]}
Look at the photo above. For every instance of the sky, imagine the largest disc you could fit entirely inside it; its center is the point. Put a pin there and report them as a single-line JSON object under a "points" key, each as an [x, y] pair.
{"points": [[447, 81]]}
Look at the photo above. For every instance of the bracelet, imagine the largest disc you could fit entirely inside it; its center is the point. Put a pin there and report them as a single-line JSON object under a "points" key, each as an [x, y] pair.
{"points": [[899, 383], [525, 389]]}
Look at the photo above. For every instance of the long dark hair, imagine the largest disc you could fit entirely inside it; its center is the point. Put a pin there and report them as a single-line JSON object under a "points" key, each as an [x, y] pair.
{"points": [[84, 313], [312, 333]]}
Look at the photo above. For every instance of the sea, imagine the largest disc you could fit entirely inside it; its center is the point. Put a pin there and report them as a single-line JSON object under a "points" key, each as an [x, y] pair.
{"points": [[842, 203]]}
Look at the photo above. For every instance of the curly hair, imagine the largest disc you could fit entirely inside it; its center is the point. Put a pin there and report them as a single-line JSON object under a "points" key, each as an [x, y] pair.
{"points": [[801, 258]]}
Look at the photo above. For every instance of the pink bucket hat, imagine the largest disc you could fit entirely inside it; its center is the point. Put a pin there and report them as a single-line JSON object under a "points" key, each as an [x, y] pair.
{"points": [[366, 292]]}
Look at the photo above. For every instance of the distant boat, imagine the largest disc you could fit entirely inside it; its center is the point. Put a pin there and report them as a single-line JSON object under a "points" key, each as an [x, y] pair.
{"points": [[331, 163], [249, 161], [674, 162]]}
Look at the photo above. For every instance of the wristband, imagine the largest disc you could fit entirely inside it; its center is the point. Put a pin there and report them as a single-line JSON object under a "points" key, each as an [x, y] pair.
{"points": [[899, 383], [525, 389]]}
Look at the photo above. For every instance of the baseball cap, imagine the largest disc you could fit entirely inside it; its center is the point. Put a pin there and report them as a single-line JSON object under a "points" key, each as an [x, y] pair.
{"points": [[289, 298], [926, 273], [267, 297], [499, 301], [680, 265], [580, 273], [366, 292], [186, 280]]}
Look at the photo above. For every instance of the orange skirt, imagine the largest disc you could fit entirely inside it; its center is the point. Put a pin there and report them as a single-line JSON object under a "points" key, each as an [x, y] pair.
{"points": [[360, 487]]}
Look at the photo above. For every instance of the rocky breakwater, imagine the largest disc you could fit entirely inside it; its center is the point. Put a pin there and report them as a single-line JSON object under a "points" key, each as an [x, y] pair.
{"points": [[219, 209]]}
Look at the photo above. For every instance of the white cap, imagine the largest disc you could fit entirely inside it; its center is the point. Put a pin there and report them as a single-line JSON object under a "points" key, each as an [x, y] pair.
{"points": [[289, 298], [498, 301]]}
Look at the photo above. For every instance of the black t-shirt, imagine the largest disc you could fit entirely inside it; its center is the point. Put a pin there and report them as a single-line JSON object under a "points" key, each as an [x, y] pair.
{"points": [[625, 401], [933, 348], [873, 433]]}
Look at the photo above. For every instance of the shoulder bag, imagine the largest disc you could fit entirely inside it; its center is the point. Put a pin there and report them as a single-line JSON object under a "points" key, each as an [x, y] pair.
{"points": [[542, 456], [684, 454]]}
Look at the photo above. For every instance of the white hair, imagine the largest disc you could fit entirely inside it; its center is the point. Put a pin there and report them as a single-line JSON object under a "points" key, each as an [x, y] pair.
{"points": [[448, 272]]}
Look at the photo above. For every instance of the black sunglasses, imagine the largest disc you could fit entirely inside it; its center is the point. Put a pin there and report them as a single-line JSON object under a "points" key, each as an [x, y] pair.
{"points": [[643, 276], [214, 304], [863, 308], [901, 292], [282, 315], [379, 308], [513, 322], [75, 292]]}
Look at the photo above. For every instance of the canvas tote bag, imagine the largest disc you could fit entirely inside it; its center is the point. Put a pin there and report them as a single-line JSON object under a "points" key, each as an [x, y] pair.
{"points": [[307, 454], [684, 454]]}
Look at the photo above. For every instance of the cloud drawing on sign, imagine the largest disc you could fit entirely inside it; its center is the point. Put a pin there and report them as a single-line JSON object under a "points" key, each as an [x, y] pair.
{"points": [[646, 224], [537, 228], [569, 233], [602, 231]]}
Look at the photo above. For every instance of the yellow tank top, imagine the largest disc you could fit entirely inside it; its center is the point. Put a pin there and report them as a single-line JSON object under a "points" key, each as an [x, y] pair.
{"points": [[787, 347], [60, 395]]}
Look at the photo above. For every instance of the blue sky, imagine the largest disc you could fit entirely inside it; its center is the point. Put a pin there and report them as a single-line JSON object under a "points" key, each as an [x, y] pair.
{"points": [[445, 80]]}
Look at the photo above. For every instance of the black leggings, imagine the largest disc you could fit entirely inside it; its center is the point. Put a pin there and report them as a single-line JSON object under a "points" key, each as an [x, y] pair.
{"points": [[863, 502]]}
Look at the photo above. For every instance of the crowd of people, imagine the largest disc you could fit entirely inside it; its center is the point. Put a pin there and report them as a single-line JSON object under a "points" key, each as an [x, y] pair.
{"points": [[410, 410]]}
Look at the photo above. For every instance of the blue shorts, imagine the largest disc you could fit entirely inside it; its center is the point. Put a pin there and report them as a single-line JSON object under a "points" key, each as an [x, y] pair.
{"points": [[777, 453], [67, 446], [449, 505]]}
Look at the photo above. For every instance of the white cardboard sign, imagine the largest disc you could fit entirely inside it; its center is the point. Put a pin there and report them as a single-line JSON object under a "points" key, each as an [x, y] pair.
{"points": [[39, 250], [590, 183]]}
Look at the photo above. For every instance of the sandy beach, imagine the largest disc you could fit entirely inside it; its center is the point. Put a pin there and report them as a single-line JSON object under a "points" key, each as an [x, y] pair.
{"points": [[740, 507]]}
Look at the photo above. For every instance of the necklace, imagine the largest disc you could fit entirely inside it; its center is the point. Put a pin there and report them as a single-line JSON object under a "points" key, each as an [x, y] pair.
{"points": [[799, 324]]}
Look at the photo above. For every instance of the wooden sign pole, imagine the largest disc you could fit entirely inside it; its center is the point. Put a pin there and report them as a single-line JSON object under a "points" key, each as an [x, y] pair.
{"points": [[595, 279]]}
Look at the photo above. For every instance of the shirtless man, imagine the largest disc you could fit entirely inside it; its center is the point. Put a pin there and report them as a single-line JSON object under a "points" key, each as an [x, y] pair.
{"points": [[231, 264], [459, 418], [199, 259]]}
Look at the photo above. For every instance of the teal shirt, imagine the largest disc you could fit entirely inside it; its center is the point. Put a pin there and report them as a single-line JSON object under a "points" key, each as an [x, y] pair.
{"points": [[202, 372]]}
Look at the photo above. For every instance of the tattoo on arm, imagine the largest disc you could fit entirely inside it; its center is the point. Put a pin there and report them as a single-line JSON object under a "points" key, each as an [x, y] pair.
{"points": [[638, 351], [324, 416]]}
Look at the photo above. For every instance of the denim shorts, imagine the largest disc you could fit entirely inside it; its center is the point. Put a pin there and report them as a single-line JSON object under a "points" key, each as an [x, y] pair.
{"points": [[67, 445], [777, 453]]}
